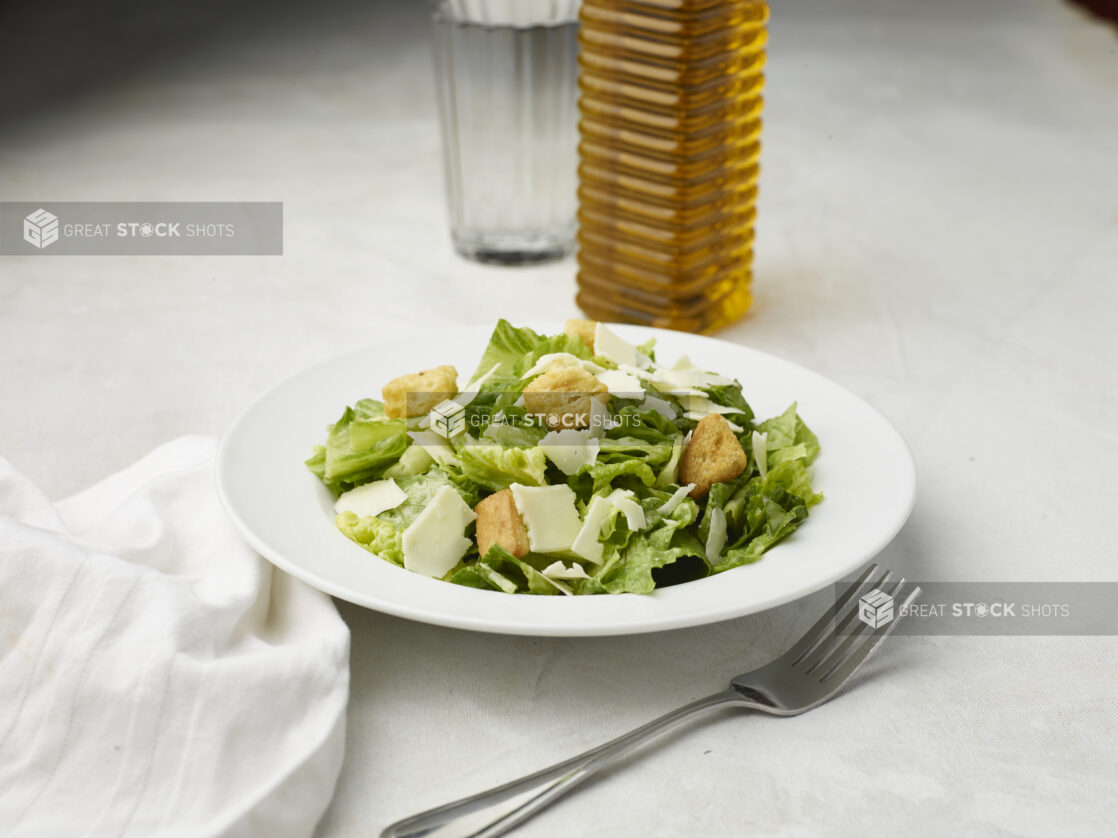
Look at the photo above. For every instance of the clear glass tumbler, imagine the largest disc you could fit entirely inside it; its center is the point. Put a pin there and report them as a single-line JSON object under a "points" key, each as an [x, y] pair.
{"points": [[507, 82]]}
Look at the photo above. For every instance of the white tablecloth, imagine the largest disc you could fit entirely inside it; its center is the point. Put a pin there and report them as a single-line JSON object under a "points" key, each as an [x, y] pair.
{"points": [[938, 232]]}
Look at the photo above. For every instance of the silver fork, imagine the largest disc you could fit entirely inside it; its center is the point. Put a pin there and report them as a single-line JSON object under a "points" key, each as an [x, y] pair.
{"points": [[805, 676]]}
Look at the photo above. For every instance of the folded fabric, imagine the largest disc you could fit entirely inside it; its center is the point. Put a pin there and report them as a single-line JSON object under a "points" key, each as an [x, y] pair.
{"points": [[157, 676]]}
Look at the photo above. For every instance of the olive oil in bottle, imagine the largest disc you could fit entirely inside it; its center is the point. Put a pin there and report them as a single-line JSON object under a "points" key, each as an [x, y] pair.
{"points": [[670, 124]]}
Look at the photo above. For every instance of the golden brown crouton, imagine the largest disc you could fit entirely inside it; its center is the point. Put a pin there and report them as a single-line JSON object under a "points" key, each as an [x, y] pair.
{"points": [[498, 522], [562, 396], [714, 455], [584, 329], [416, 394]]}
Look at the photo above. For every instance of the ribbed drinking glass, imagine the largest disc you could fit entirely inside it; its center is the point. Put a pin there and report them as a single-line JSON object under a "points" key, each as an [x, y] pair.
{"points": [[507, 83]]}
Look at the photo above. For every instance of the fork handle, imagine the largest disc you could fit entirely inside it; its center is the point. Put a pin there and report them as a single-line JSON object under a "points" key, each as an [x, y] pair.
{"points": [[498, 810]]}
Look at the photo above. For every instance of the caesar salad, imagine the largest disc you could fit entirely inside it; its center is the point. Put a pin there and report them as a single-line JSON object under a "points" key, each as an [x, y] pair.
{"points": [[567, 464]]}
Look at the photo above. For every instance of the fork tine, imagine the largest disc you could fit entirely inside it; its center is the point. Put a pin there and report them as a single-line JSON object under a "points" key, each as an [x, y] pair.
{"points": [[842, 670], [817, 632], [830, 654]]}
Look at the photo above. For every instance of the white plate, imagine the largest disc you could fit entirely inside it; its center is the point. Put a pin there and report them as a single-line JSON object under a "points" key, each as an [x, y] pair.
{"points": [[865, 472]]}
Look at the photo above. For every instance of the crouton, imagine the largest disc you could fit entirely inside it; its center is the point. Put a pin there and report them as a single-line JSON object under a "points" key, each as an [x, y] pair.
{"points": [[714, 455], [584, 329], [562, 396], [498, 522], [416, 394]]}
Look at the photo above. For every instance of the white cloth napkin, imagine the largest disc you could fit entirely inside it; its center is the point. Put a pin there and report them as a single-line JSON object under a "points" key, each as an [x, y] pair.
{"points": [[158, 677]]}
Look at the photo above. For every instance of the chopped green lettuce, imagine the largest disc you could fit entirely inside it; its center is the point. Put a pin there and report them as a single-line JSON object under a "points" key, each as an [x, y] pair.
{"points": [[598, 478], [788, 431], [496, 467], [673, 538], [570, 344], [507, 349], [502, 571], [420, 490], [729, 395], [515, 436], [374, 534], [359, 447], [415, 460]]}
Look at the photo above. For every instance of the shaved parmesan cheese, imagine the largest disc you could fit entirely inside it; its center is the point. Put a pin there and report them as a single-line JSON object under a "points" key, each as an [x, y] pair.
{"points": [[700, 378], [671, 504], [697, 416], [622, 501], [470, 391], [699, 407], [557, 570], [436, 446], [570, 449], [614, 348], [716, 537], [687, 381], [586, 543], [599, 417], [702, 406], [549, 514], [435, 541], [371, 499], [761, 453], [564, 359], [664, 408], [621, 384], [664, 381]]}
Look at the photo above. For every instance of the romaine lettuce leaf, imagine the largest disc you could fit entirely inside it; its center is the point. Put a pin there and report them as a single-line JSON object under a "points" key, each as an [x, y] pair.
{"points": [[642, 423], [669, 474], [630, 570], [598, 478], [420, 489], [512, 435], [471, 576], [793, 477], [626, 448], [571, 344], [772, 518], [786, 432], [729, 395], [374, 534], [499, 570], [415, 460], [507, 348], [632, 558], [359, 447], [759, 512], [496, 467]]}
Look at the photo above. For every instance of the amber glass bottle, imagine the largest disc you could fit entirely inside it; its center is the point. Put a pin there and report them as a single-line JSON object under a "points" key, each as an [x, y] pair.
{"points": [[670, 125]]}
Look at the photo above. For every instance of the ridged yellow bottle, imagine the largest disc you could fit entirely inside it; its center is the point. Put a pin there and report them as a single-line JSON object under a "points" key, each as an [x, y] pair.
{"points": [[670, 125]]}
